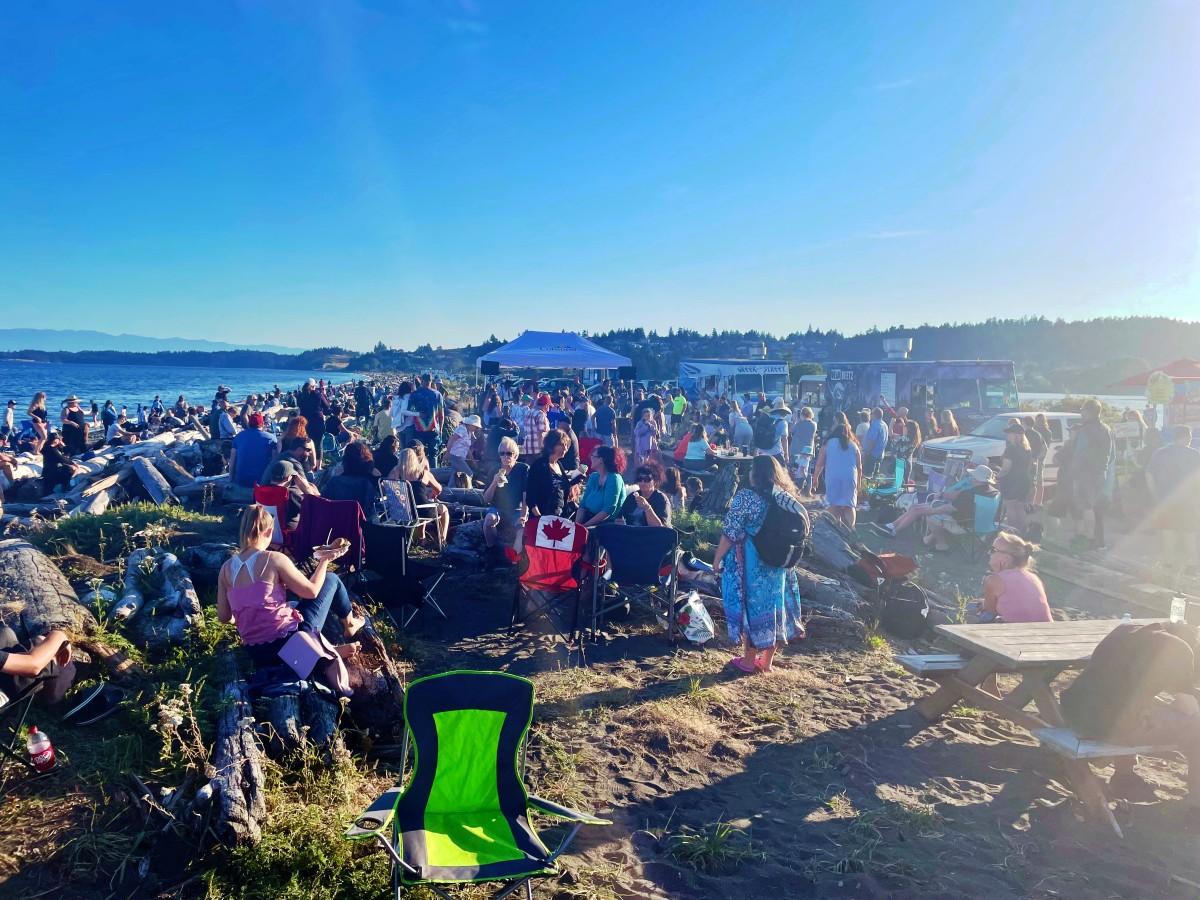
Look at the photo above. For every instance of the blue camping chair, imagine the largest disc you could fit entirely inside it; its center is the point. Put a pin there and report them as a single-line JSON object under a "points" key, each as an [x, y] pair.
{"points": [[986, 524], [889, 492]]}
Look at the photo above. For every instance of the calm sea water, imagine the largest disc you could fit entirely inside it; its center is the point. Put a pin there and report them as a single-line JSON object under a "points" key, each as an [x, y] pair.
{"points": [[131, 385]]}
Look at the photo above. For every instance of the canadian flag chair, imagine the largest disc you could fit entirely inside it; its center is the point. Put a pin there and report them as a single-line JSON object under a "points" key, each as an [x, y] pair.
{"points": [[548, 574]]}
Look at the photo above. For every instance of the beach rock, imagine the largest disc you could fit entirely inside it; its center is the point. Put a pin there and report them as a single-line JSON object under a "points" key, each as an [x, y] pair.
{"points": [[35, 596]]}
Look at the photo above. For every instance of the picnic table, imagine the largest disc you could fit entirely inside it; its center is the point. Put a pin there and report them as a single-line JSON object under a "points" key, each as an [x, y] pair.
{"points": [[1037, 652]]}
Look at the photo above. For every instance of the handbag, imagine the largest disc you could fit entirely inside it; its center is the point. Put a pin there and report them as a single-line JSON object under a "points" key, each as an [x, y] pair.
{"points": [[304, 650]]}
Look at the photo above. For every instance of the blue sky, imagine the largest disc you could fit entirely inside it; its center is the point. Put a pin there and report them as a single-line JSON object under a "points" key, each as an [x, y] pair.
{"points": [[320, 172]]}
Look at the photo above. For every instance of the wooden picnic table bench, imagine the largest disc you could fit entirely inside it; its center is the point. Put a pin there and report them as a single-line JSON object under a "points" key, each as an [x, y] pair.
{"points": [[1037, 652]]}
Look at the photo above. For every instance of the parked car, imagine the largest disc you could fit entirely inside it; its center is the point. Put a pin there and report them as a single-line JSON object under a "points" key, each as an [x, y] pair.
{"points": [[988, 438]]}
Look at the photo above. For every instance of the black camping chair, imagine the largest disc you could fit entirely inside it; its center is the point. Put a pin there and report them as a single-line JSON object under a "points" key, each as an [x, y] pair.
{"points": [[393, 580], [634, 563]]}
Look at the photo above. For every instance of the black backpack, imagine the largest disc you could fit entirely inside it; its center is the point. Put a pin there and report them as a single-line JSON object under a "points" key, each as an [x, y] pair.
{"points": [[784, 538], [764, 431]]}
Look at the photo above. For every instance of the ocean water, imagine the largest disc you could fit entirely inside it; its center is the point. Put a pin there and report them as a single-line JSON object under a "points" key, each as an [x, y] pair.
{"points": [[131, 385]]}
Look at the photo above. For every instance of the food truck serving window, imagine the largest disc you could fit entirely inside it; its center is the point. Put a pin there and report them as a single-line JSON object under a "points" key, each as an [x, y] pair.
{"points": [[999, 393], [956, 393], [747, 382], [774, 384]]}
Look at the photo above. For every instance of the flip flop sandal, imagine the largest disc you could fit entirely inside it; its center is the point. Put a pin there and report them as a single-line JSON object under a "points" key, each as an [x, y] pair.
{"points": [[740, 665]]}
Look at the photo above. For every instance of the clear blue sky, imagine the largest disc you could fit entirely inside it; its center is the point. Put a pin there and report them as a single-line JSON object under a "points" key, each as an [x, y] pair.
{"points": [[321, 172]]}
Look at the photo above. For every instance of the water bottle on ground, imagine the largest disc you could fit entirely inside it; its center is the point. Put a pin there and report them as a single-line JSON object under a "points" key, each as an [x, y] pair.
{"points": [[41, 751]]}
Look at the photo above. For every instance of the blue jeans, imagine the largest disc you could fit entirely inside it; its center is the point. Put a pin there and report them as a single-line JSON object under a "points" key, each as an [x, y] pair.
{"points": [[333, 597]]}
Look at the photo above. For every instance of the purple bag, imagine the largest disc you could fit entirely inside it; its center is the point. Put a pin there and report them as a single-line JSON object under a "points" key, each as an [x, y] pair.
{"points": [[304, 650]]}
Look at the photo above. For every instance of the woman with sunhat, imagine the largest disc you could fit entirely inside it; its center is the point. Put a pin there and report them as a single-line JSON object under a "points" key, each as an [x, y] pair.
{"points": [[74, 426]]}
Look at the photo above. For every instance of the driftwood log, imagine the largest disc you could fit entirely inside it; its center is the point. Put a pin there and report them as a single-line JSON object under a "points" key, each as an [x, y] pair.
{"points": [[173, 471], [239, 785], [157, 488], [720, 492], [35, 596], [377, 705], [306, 714], [832, 544], [828, 595]]}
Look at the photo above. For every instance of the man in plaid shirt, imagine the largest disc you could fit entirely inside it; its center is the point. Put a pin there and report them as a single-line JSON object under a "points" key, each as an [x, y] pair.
{"points": [[535, 428]]}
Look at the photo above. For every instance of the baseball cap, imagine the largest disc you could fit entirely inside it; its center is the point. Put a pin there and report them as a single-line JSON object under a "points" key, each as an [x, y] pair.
{"points": [[256, 420]]}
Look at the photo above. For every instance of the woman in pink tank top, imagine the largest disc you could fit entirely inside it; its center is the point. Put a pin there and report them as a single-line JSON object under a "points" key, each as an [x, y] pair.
{"points": [[1012, 592], [253, 586]]}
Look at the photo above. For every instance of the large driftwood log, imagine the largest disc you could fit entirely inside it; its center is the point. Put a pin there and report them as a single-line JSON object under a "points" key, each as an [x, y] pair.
{"points": [[292, 718], [377, 704], [173, 471], [35, 596], [239, 784], [200, 485], [131, 591], [832, 544], [827, 594], [97, 503], [720, 492], [156, 487]]}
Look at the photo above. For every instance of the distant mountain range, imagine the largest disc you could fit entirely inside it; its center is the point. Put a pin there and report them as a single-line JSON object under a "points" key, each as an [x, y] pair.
{"points": [[54, 339]]}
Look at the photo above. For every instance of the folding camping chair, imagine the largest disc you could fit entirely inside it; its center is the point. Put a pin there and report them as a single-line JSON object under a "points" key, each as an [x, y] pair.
{"points": [[890, 491], [463, 816], [634, 563], [548, 574], [985, 526], [323, 520], [275, 498], [392, 579], [403, 509]]}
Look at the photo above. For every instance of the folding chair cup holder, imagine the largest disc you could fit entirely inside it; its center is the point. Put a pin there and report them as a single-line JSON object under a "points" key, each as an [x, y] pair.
{"points": [[463, 815]]}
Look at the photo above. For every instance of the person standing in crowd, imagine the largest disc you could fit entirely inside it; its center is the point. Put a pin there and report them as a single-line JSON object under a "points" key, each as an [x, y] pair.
{"points": [[74, 426], [840, 462], [1173, 476], [679, 406], [40, 420], [762, 602], [314, 406], [948, 425], [1012, 592], [401, 418], [860, 429], [251, 453], [645, 438], [1091, 459], [604, 422], [429, 413], [906, 445], [534, 429], [362, 402], [381, 425], [462, 447], [1039, 450], [1016, 476], [803, 447], [874, 443], [931, 429]]}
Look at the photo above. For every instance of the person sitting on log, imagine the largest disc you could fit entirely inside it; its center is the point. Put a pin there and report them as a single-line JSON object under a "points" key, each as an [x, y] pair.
{"points": [[252, 592], [57, 468]]}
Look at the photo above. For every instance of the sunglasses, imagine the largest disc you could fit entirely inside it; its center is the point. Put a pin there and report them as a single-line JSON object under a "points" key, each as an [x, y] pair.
{"points": [[642, 478], [508, 453], [1000, 550]]}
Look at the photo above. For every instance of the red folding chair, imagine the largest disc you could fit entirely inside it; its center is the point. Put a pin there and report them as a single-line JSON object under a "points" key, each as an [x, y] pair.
{"points": [[586, 446], [275, 498], [548, 575]]}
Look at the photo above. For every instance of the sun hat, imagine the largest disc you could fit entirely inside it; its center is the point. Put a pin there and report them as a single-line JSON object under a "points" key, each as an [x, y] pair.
{"points": [[473, 420], [780, 407], [982, 474], [71, 398]]}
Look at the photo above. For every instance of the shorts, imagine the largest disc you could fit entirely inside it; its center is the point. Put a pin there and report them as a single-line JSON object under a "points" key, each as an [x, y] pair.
{"points": [[1087, 493]]}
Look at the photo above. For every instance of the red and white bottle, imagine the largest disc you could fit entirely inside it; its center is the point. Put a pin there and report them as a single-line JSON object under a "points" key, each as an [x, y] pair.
{"points": [[41, 751]]}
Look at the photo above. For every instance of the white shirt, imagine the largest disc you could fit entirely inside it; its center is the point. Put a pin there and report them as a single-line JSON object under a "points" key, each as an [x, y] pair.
{"points": [[400, 413]]}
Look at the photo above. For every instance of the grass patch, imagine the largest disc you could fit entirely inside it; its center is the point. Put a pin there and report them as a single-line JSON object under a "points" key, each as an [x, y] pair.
{"points": [[871, 837], [698, 534], [718, 848], [122, 529]]}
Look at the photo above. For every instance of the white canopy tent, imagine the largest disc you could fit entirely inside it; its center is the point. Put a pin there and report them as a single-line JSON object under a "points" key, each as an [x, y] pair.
{"points": [[553, 350]]}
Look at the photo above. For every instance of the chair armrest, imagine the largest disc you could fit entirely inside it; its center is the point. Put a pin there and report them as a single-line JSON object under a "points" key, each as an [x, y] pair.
{"points": [[564, 812], [376, 818]]}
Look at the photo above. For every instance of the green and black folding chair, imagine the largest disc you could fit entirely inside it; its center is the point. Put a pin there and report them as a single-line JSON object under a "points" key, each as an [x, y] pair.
{"points": [[463, 817]]}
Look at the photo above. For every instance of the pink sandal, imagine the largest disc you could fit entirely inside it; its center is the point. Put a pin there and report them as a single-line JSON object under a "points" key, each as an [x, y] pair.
{"points": [[740, 664]]}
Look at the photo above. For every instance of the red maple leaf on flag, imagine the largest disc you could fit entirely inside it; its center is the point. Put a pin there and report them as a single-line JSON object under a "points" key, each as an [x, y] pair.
{"points": [[556, 530]]}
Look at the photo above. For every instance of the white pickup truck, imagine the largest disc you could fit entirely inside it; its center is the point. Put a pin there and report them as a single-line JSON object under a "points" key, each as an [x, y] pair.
{"points": [[988, 438]]}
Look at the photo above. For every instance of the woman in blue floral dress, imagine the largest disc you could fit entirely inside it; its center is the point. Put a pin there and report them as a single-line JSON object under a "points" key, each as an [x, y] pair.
{"points": [[762, 603]]}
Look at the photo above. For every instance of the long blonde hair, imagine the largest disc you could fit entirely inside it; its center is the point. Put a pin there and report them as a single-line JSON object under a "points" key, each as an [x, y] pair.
{"points": [[1017, 547], [412, 467], [256, 521]]}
